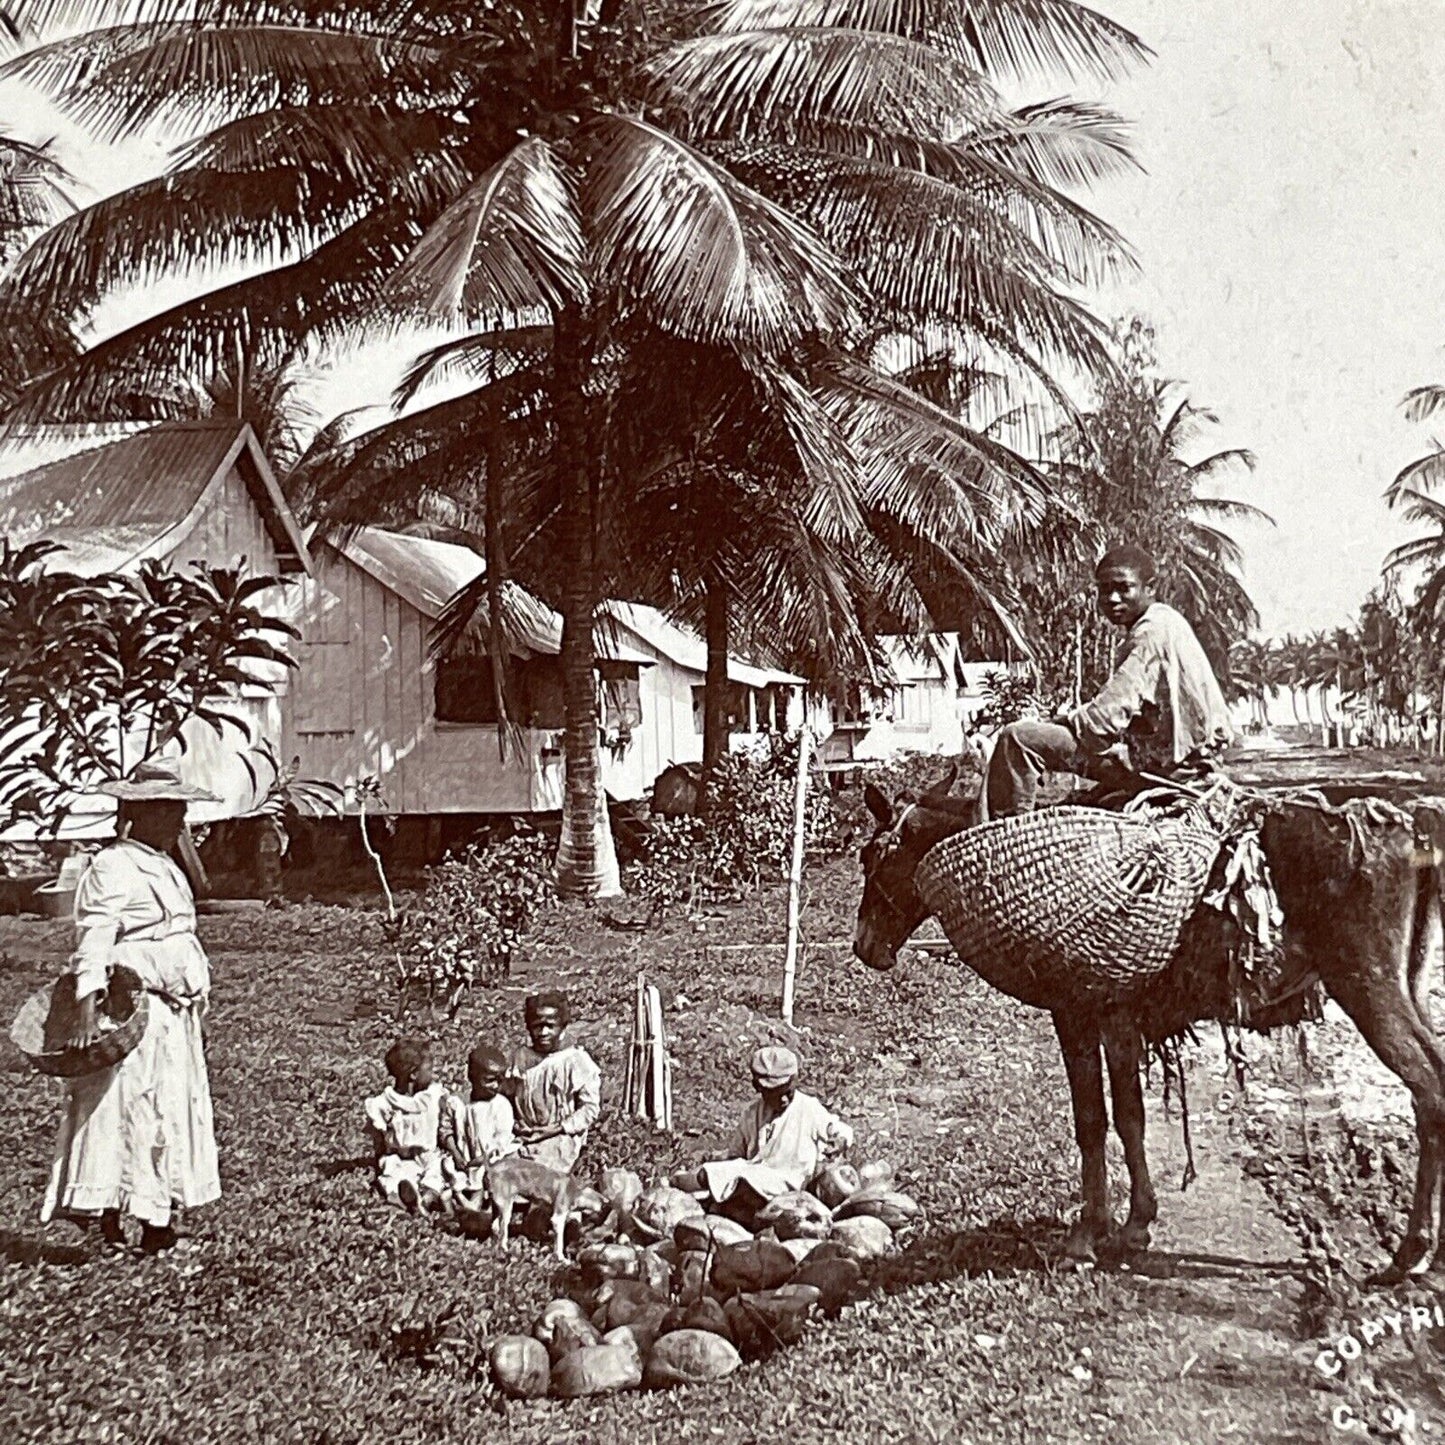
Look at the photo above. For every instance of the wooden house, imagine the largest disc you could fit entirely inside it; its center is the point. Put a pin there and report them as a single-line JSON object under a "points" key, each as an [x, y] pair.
{"points": [[115, 496], [926, 703], [760, 699], [369, 699]]}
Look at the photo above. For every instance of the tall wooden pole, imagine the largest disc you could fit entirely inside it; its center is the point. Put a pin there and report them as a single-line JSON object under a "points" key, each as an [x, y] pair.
{"points": [[795, 873]]}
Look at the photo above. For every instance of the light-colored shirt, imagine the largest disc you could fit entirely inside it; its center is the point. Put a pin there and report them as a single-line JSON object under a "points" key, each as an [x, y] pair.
{"points": [[557, 1091], [406, 1121], [796, 1142], [1163, 698], [481, 1130], [133, 906]]}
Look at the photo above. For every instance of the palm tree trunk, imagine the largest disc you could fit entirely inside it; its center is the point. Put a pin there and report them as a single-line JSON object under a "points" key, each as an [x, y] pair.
{"points": [[586, 855], [715, 689]]}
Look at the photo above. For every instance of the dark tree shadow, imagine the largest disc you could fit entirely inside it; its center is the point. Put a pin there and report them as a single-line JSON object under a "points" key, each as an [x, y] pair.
{"points": [[1036, 1246], [1004, 1247], [31, 1249]]}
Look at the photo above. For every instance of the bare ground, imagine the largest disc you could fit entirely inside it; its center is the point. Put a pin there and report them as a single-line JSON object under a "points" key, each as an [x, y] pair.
{"points": [[279, 1326]]}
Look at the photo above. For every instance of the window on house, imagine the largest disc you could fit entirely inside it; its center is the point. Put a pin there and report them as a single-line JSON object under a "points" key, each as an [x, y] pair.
{"points": [[621, 696], [773, 708], [910, 708], [464, 691], [739, 720]]}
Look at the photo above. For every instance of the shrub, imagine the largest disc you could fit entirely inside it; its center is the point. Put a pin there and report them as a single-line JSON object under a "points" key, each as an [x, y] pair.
{"points": [[909, 775], [476, 908], [100, 673], [746, 837], [1007, 699]]}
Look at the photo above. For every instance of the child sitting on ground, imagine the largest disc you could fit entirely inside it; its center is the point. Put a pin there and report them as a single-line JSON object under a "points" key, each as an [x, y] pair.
{"points": [[782, 1140], [556, 1087], [403, 1121], [477, 1134]]}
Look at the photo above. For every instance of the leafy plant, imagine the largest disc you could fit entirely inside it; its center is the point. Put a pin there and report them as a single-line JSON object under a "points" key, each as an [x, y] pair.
{"points": [[1007, 698], [288, 801], [476, 908], [99, 673], [746, 836]]}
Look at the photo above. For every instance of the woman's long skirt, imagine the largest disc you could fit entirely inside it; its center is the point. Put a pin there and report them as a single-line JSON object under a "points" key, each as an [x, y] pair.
{"points": [[140, 1137]]}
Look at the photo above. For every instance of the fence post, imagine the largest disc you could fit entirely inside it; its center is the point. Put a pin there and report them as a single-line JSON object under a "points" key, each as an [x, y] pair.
{"points": [[795, 872]]}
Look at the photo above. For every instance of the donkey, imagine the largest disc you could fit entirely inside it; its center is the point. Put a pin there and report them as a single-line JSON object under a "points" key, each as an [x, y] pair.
{"points": [[1363, 893]]}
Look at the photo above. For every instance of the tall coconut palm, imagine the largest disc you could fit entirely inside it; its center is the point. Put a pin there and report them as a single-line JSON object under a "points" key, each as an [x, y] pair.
{"points": [[755, 174]]}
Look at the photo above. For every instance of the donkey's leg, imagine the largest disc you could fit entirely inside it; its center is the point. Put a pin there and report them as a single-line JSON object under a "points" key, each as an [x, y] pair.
{"points": [[1123, 1048], [1079, 1040], [1379, 1002]]}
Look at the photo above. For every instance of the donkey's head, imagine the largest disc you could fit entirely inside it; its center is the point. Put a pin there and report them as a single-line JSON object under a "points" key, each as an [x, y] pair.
{"points": [[891, 907]]}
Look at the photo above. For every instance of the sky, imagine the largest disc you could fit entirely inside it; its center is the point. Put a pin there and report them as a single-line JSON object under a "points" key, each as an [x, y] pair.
{"points": [[1291, 233], [1290, 228]]}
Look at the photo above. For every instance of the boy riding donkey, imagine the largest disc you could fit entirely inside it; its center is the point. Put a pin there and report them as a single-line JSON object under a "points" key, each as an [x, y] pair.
{"points": [[1161, 712]]}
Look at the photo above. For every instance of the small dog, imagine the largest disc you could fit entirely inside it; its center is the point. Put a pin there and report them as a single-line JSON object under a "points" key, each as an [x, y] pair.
{"points": [[516, 1179]]}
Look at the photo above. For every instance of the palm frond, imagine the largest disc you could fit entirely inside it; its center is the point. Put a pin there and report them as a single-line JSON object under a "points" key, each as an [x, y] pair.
{"points": [[380, 153], [1423, 402], [1016, 37], [1225, 507], [510, 243], [480, 355], [1058, 143], [1424, 474], [123, 81], [1422, 508], [173, 222], [273, 314], [1223, 461], [704, 256], [744, 84]]}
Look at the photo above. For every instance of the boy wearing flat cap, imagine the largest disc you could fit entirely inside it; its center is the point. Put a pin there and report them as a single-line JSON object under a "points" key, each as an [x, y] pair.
{"points": [[782, 1139]]}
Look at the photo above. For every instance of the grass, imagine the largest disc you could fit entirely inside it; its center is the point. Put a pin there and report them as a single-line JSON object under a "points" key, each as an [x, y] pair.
{"points": [[279, 1328]]}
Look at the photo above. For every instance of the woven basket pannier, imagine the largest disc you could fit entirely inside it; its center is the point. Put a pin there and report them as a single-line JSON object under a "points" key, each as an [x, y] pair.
{"points": [[1070, 906], [45, 1019]]}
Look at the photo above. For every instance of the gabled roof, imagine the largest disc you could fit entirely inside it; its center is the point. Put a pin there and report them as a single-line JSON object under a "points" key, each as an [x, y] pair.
{"points": [[114, 496], [427, 574], [686, 648]]}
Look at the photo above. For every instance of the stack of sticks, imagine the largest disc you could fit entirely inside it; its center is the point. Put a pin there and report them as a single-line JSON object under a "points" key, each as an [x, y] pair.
{"points": [[648, 1093]]}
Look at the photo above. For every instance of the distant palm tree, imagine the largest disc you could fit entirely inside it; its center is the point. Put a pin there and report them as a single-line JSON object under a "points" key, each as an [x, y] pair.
{"points": [[1125, 468]]}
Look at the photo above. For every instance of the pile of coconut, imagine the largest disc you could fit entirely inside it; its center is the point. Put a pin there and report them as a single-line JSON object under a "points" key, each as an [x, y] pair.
{"points": [[672, 1295]]}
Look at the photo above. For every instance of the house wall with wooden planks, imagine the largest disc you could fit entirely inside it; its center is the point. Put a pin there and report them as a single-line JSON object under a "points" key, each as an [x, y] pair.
{"points": [[229, 532], [364, 704]]}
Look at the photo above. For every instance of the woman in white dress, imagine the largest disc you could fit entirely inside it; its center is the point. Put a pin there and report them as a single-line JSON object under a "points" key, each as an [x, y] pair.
{"points": [[138, 1138]]}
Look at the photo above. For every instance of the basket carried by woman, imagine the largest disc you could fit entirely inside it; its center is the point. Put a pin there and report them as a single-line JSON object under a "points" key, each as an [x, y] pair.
{"points": [[45, 1023], [1072, 906]]}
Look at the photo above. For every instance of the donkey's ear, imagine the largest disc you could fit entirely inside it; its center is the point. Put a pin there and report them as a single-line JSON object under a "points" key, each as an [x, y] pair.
{"points": [[878, 805], [944, 786]]}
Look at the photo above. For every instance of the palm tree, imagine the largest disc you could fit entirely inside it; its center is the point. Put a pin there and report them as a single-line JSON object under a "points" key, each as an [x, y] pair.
{"points": [[1124, 468], [759, 175], [33, 197]]}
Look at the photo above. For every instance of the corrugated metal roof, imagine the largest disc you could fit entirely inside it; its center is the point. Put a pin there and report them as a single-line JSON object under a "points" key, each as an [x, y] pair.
{"points": [[112, 497], [686, 648], [428, 574], [23, 448]]}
